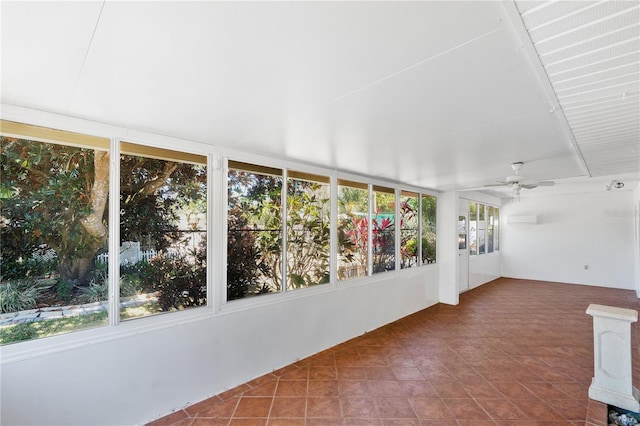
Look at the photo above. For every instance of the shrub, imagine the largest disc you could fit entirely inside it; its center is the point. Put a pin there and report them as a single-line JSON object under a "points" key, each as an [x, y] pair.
{"points": [[19, 295], [17, 269], [98, 289], [63, 289], [181, 282]]}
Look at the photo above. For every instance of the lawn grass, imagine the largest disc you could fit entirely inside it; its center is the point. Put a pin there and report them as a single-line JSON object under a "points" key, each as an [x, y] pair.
{"points": [[35, 330], [38, 329]]}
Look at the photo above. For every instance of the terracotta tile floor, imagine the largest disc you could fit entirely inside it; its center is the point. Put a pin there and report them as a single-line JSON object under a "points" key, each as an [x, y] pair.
{"points": [[513, 352]]}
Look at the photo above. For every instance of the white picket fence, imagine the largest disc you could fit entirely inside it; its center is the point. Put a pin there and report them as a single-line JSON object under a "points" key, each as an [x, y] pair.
{"points": [[145, 256], [130, 254]]}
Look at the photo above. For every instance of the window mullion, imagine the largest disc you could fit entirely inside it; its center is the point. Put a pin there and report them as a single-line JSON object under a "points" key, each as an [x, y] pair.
{"points": [[284, 213], [114, 232], [419, 252], [370, 233], [398, 231], [216, 263], [333, 231]]}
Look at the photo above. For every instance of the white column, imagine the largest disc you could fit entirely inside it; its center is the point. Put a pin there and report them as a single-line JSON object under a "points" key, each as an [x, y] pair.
{"points": [[612, 381], [447, 247]]}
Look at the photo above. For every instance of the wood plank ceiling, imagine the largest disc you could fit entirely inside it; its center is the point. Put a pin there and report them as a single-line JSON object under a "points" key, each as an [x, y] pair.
{"points": [[590, 51]]}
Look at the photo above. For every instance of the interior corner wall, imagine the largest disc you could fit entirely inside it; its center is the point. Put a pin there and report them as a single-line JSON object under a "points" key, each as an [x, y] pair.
{"points": [[579, 238], [636, 244]]}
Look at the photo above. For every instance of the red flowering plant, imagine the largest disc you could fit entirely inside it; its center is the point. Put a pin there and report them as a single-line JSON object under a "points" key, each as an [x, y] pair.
{"points": [[354, 237]]}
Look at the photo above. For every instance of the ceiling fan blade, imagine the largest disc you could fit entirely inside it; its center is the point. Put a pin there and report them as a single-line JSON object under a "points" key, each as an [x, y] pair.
{"points": [[546, 183], [529, 186], [498, 184]]}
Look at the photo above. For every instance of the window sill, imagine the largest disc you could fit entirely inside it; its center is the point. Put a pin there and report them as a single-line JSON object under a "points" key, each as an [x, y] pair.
{"points": [[273, 298]]}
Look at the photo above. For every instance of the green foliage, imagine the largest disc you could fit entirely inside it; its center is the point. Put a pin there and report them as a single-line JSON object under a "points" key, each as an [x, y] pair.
{"points": [[408, 230], [353, 200], [410, 247], [308, 234], [353, 207], [63, 289], [181, 282], [17, 268], [254, 259], [383, 242], [254, 262], [48, 195], [98, 289], [429, 204], [45, 195], [243, 269], [19, 295]]}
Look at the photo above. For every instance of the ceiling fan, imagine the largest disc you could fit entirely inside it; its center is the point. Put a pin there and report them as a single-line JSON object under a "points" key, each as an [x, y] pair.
{"points": [[517, 181]]}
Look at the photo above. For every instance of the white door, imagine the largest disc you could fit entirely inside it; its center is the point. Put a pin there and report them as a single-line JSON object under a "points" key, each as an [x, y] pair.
{"points": [[463, 249]]}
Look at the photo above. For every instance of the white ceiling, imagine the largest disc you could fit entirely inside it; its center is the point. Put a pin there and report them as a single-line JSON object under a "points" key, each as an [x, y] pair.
{"points": [[444, 95]]}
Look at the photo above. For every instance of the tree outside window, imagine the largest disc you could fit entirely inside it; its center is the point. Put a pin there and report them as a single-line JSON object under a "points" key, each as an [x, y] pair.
{"points": [[308, 230], [490, 234], [163, 206], [482, 228], [55, 191], [383, 229], [409, 214], [353, 229], [428, 217], [54, 220], [473, 229], [254, 230]]}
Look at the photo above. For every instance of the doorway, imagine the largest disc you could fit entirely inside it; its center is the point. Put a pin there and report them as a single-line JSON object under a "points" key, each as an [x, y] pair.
{"points": [[463, 250]]}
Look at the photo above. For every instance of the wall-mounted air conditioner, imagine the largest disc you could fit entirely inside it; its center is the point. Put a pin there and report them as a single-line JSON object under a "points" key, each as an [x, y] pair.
{"points": [[524, 219]]}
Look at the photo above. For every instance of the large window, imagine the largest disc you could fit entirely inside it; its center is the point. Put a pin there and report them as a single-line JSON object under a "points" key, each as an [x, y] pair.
{"points": [[409, 214], [383, 229], [54, 191], [163, 227], [64, 268], [496, 229], [353, 229], [490, 234], [254, 234], [55, 232], [255, 229], [483, 229], [473, 228], [308, 230], [428, 217]]}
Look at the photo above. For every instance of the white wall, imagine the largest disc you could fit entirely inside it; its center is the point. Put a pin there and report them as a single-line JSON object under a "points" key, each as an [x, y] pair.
{"points": [[138, 377], [636, 245], [447, 249], [484, 268], [594, 229]]}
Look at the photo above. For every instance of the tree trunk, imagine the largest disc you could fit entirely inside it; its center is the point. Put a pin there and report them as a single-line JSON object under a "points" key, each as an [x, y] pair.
{"points": [[99, 197], [74, 265], [74, 269]]}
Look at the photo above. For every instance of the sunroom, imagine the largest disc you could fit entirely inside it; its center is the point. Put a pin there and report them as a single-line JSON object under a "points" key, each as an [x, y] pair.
{"points": [[196, 194]]}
